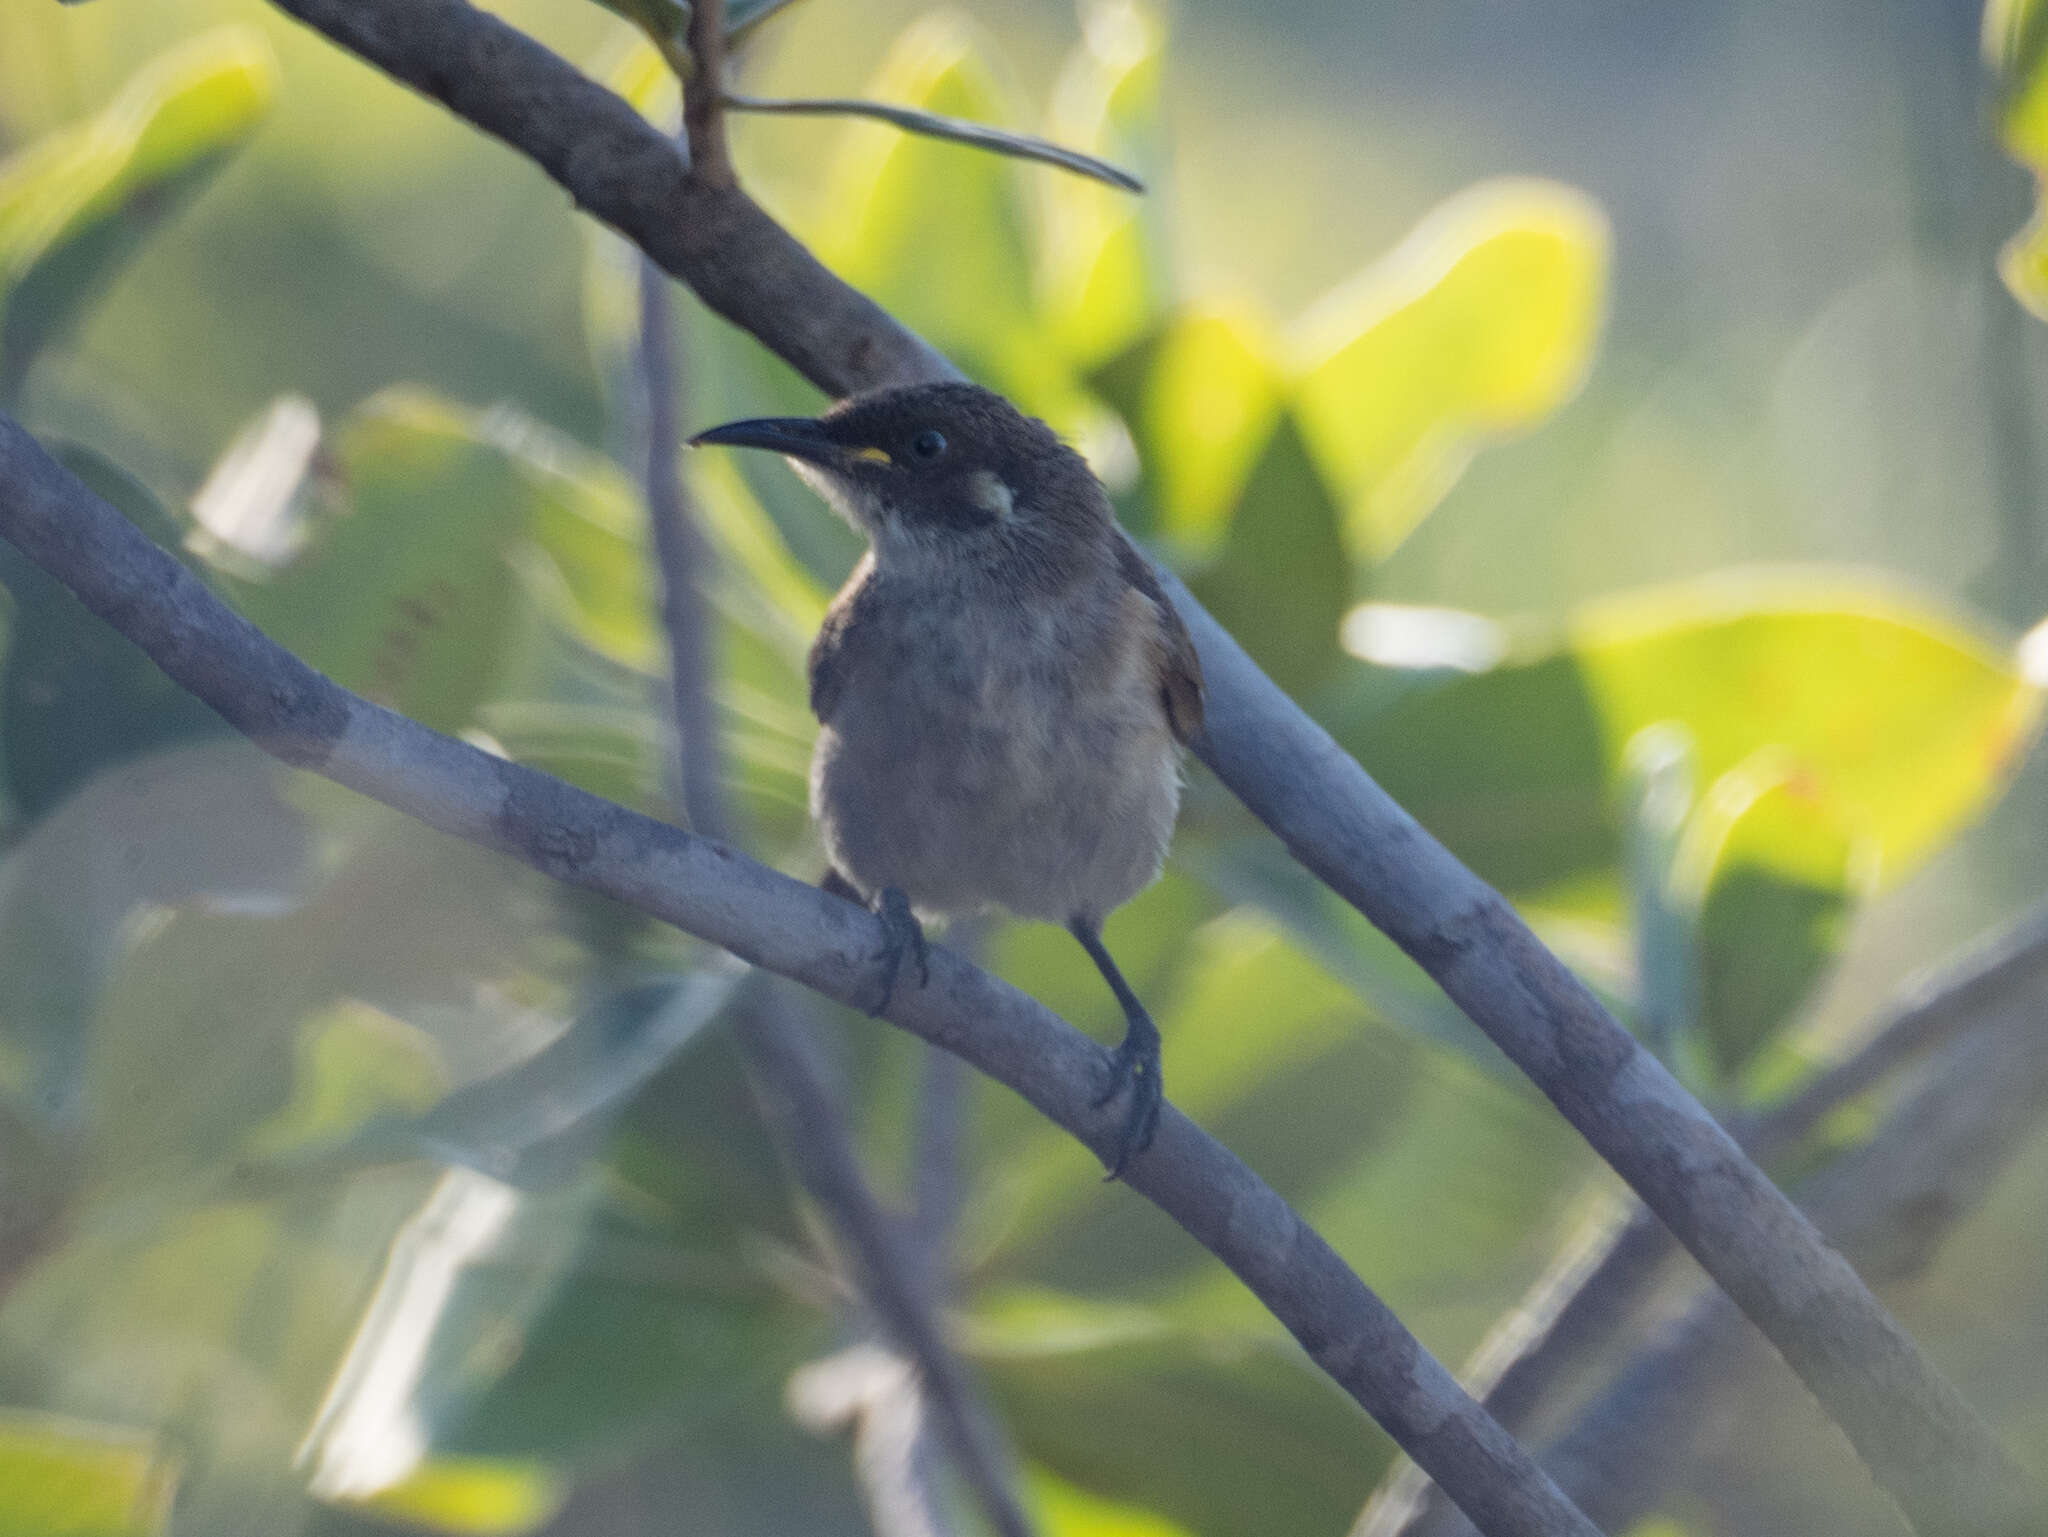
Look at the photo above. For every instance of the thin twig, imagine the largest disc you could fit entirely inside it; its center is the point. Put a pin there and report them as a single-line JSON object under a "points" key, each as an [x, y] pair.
{"points": [[781, 925], [810, 1125], [683, 559], [704, 97], [936, 125]]}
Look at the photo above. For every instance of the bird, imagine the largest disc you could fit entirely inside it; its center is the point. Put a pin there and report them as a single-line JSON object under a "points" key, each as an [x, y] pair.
{"points": [[1003, 688]]}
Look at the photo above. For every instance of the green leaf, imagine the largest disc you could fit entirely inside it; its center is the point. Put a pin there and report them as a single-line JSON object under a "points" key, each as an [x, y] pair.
{"points": [[1072, 1511], [67, 1478], [453, 523], [1103, 274], [1657, 801], [2015, 48], [1480, 324], [541, 1120], [1203, 399], [939, 234], [1896, 717], [198, 825], [1282, 581], [1772, 875], [77, 204], [75, 696], [742, 16], [1215, 1431], [667, 25], [487, 1497]]}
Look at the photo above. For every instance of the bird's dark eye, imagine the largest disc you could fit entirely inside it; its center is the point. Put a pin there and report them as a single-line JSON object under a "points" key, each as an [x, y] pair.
{"points": [[928, 444]]}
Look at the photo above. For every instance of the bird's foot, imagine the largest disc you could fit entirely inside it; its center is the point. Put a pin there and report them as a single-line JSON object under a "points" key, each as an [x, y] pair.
{"points": [[903, 940], [1134, 1065]]}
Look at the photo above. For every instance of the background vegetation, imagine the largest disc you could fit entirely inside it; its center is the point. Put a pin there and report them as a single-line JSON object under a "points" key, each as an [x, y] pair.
{"points": [[1470, 363]]}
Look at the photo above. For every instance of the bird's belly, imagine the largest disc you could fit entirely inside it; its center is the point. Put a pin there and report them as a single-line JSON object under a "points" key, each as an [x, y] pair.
{"points": [[971, 802]]}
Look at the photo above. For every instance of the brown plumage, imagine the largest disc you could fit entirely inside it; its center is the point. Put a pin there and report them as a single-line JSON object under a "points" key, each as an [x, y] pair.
{"points": [[1002, 687]]}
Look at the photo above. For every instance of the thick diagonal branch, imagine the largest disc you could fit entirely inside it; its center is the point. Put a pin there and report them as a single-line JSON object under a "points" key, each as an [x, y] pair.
{"points": [[780, 925]]}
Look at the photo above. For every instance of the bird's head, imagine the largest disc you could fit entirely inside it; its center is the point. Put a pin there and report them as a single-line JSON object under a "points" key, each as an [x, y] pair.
{"points": [[932, 470]]}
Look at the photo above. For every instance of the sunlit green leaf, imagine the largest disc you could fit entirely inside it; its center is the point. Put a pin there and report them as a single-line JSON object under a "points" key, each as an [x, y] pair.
{"points": [[1893, 714], [742, 16], [75, 696], [1897, 718], [939, 234], [666, 23], [1203, 397], [1103, 277], [67, 1478], [1481, 323], [2015, 48], [1772, 873], [1072, 1511], [473, 1496], [75, 205]]}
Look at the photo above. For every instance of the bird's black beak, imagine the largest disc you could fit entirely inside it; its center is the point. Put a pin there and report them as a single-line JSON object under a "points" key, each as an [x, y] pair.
{"points": [[797, 436]]}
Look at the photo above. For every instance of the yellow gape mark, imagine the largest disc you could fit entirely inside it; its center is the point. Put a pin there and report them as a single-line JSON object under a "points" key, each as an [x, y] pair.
{"points": [[873, 455]]}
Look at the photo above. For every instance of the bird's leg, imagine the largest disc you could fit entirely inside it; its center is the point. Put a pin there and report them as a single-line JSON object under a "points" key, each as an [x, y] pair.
{"points": [[904, 939], [1134, 1063], [903, 936]]}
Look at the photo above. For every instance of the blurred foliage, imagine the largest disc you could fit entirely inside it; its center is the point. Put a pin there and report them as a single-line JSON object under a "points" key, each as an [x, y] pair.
{"points": [[380, 1184], [75, 205]]}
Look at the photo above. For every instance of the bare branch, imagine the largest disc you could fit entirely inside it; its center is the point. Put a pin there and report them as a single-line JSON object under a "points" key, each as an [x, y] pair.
{"points": [[1890, 1204], [704, 97], [783, 926], [1589, 1296]]}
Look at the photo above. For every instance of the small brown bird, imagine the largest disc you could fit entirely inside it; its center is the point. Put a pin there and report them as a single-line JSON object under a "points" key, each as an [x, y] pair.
{"points": [[1003, 688]]}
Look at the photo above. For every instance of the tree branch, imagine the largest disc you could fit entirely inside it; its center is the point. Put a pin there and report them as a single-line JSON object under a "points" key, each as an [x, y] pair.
{"points": [[1585, 1301], [1890, 1204], [783, 926]]}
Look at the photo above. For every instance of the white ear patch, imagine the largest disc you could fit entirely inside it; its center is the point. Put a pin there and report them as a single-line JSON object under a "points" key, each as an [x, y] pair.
{"points": [[991, 494]]}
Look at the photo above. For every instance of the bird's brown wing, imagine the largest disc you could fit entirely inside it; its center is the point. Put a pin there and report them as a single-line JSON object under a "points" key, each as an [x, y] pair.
{"points": [[1180, 670], [829, 652]]}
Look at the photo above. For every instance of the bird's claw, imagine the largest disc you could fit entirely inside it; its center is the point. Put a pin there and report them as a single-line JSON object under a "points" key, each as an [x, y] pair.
{"points": [[1134, 1065], [903, 939]]}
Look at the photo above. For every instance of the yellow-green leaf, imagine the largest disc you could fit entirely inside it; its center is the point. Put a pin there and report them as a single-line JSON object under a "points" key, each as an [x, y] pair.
{"points": [[1481, 323], [1895, 715], [1905, 721], [1103, 273], [452, 522], [69, 1478], [2015, 48], [1208, 404], [474, 1496], [74, 205], [938, 232]]}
